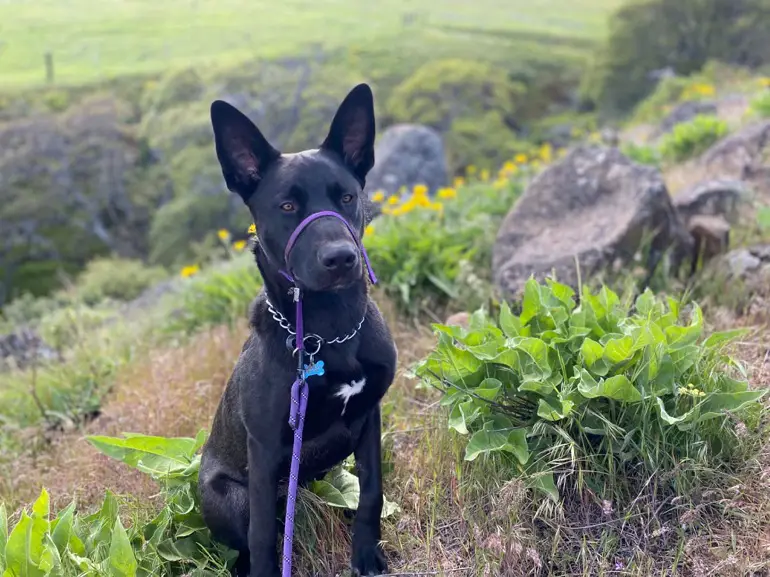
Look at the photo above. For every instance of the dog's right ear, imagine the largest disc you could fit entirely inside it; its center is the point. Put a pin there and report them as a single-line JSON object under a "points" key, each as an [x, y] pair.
{"points": [[243, 152]]}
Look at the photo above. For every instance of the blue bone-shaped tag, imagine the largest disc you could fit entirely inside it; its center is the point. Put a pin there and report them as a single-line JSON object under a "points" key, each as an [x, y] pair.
{"points": [[316, 369]]}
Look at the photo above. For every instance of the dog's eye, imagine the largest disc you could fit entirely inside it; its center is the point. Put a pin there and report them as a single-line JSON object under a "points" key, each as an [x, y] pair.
{"points": [[287, 207], [347, 198]]}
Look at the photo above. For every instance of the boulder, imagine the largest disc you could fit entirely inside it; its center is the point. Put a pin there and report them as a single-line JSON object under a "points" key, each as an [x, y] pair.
{"points": [[595, 206], [685, 112], [711, 237], [748, 263], [719, 197], [741, 155], [23, 348], [408, 154]]}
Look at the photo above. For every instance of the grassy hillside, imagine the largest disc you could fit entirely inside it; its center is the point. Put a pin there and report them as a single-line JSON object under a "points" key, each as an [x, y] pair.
{"points": [[92, 41]]}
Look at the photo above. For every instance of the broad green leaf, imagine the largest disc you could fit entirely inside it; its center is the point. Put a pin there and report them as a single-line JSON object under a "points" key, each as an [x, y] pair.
{"points": [[546, 410], [645, 302], [122, 559], [478, 320], [537, 351], [562, 292], [531, 305], [510, 323], [389, 508], [158, 457], [591, 351], [63, 535], [179, 549], [517, 444], [338, 489], [24, 548], [672, 420], [617, 387], [462, 415], [619, 350], [716, 404], [722, 338], [498, 435], [489, 389], [544, 483]]}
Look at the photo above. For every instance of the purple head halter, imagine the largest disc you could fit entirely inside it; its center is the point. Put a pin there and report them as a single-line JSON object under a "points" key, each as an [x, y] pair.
{"points": [[299, 390]]}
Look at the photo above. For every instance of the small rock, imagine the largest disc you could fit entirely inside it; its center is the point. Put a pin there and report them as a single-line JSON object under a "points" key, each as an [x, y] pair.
{"points": [[711, 236], [742, 262], [719, 197], [406, 155], [461, 319], [594, 206]]}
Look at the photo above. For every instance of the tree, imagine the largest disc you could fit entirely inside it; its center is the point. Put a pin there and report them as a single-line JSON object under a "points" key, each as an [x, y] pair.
{"points": [[647, 36]]}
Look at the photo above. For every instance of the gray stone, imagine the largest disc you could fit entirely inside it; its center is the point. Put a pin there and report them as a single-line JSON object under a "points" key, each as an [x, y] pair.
{"points": [[719, 197], [406, 155], [685, 112], [741, 155], [742, 261], [595, 206]]}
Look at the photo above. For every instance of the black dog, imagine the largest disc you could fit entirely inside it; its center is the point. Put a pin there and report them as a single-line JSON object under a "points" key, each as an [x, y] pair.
{"points": [[249, 451]]}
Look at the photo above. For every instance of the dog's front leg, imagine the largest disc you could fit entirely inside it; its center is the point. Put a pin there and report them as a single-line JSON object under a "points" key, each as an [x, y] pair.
{"points": [[368, 558], [263, 491]]}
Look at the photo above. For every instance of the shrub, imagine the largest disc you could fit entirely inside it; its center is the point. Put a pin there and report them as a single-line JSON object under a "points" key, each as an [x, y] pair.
{"points": [[596, 395], [642, 154], [760, 105], [221, 295], [692, 138], [426, 252], [117, 279], [732, 31]]}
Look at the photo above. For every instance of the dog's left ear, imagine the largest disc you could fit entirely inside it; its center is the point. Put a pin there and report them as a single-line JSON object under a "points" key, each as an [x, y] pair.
{"points": [[352, 131]]}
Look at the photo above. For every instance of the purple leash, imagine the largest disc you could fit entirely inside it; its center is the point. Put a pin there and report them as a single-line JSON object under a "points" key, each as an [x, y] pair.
{"points": [[300, 389]]}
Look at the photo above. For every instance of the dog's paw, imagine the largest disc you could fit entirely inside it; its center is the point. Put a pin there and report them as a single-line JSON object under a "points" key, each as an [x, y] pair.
{"points": [[368, 560]]}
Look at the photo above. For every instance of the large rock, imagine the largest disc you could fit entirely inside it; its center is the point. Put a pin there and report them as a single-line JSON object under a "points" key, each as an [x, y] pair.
{"points": [[685, 112], [719, 197], [408, 154], [743, 154], [23, 348], [595, 205]]}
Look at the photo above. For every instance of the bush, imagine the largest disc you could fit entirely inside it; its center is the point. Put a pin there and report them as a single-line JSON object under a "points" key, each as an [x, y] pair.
{"points": [[429, 252], [688, 33], [597, 395], [117, 279], [462, 99], [642, 154], [760, 105], [690, 139]]}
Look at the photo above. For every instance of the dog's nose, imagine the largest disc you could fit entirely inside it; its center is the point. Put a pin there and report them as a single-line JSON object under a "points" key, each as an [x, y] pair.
{"points": [[339, 258]]}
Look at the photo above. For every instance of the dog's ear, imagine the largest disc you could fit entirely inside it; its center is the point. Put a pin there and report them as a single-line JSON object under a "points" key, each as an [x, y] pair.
{"points": [[243, 152], [352, 131]]}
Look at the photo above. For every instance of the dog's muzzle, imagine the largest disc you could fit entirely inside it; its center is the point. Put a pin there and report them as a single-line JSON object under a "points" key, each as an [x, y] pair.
{"points": [[304, 224]]}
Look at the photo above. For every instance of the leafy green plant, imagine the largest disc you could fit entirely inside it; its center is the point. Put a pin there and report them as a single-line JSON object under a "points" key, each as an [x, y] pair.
{"points": [[761, 104], [117, 279], [175, 541], [220, 295], [689, 139], [595, 395], [642, 154], [422, 255]]}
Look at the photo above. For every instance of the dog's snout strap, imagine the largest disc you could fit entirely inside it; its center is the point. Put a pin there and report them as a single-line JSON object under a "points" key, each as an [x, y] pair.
{"points": [[300, 389], [313, 217]]}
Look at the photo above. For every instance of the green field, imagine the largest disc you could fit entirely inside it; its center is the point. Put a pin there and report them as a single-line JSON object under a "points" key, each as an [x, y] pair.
{"points": [[95, 40]]}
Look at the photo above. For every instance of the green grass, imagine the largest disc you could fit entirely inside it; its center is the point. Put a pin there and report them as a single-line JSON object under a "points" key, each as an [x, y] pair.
{"points": [[93, 41]]}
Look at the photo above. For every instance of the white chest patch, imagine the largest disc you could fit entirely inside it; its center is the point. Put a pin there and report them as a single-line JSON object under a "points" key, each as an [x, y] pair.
{"points": [[350, 390]]}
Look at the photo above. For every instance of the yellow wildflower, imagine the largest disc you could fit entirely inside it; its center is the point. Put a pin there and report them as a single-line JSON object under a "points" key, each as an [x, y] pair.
{"points": [[447, 193], [509, 167], [252, 229], [459, 181], [223, 234], [437, 206], [387, 210], [500, 183], [369, 230], [765, 82], [190, 270], [378, 196], [520, 159], [393, 200], [485, 175], [471, 169], [546, 152], [420, 190], [239, 245]]}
